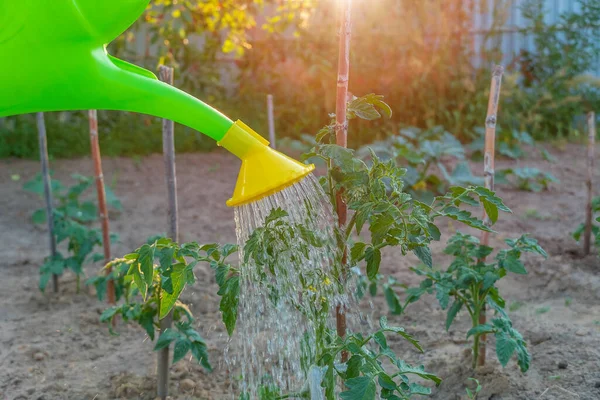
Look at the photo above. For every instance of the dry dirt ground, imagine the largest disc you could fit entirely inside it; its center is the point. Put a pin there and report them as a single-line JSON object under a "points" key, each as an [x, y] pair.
{"points": [[52, 346]]}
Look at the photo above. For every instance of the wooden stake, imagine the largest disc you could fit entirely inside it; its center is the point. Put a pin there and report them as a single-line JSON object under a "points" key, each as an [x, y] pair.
{"points": [[271, 120], [166, 75], [341, 132], [102, 208], [488, 171], [47, 189], [587, 236]]}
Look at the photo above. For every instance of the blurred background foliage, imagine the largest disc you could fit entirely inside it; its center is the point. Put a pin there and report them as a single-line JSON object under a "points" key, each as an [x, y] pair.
{"points": [[419, 54]]}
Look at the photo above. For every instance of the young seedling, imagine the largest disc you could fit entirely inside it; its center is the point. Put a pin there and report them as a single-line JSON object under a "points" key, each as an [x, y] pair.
{"points": [[71, 221], [472, 394], [470, 283], [151, 281], [594, 228]]}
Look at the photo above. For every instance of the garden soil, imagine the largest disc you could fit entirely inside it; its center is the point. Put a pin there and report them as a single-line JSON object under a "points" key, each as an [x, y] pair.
{"points": [[52, 346]]}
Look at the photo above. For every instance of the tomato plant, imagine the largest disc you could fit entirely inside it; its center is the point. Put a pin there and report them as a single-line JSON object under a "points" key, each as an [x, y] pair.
{"points": [[595, 227], [365, 372], [470, 283], [153, 278], [72, 218]]}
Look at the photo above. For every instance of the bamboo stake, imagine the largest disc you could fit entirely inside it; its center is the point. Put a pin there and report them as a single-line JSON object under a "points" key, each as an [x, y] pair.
{"points": [[271, 120], [591, 120], [166, 75], [102, 209], [341, 131], [488, 164], [47, 189]]}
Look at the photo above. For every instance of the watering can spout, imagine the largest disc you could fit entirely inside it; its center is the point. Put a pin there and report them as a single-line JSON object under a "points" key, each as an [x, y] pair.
{"points": [[58, 62]]}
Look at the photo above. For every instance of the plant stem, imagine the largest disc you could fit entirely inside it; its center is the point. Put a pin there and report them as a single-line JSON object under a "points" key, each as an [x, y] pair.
{"points": [[47, 190], [341, 135], [488, 166], [587, 236], [166, 75], [103, 210]]}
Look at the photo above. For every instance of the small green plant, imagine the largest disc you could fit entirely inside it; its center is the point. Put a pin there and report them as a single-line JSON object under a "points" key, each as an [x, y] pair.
{"points": [[527, 178], [472, 394], [542, 310], [153, 279], [72, 217], [470, 283], [595, 227]]}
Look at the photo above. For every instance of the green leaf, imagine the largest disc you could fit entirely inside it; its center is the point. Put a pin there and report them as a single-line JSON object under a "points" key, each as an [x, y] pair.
{"points": [[275, 214], [357, 250], [424, 254], [221, 274], [200, 353], [400, 331], [146, 261], [108, 314], [491, 210], [360, 388], [178, 282], [386, 382], [465, 217], [505, 347], [39, 216], [480, 330], [379, 338], [146, 321], [353, 366], [166, 338], [165, 257], [228, 306], [513, 264], [452, 312], [404, 369], [392, 300], [138, 279], [442, 293], [181, 348], [373, 259]]}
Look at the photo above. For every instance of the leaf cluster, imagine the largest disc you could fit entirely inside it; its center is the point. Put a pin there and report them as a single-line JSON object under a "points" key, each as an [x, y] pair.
{"points": [[470, 283], [71, 218], [373, 369], [595, 227], [153, 279]]}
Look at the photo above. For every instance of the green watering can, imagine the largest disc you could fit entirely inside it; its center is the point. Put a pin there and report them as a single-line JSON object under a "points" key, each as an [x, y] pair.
{"points": [[54, 58]]}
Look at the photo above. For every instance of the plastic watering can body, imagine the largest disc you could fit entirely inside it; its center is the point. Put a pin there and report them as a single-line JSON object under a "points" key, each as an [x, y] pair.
{"points": [[54, 59]]}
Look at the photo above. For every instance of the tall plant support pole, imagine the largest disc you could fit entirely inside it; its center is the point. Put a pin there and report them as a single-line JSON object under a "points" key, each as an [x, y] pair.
{"points": [[47, 190], [166, 75], [271, 120], [341, 130], [102, 209], [587, 237], [488, 171]]}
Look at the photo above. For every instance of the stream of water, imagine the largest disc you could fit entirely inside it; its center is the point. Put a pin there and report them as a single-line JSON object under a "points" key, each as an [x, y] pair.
{"points": [[272, 337]]}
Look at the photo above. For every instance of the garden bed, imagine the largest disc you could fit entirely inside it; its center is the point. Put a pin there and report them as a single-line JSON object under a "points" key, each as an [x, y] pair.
{"points": [[54, 347]]}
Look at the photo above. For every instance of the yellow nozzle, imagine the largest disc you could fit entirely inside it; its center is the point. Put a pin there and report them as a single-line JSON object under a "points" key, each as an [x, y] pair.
{"points": [[264, 171]]}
